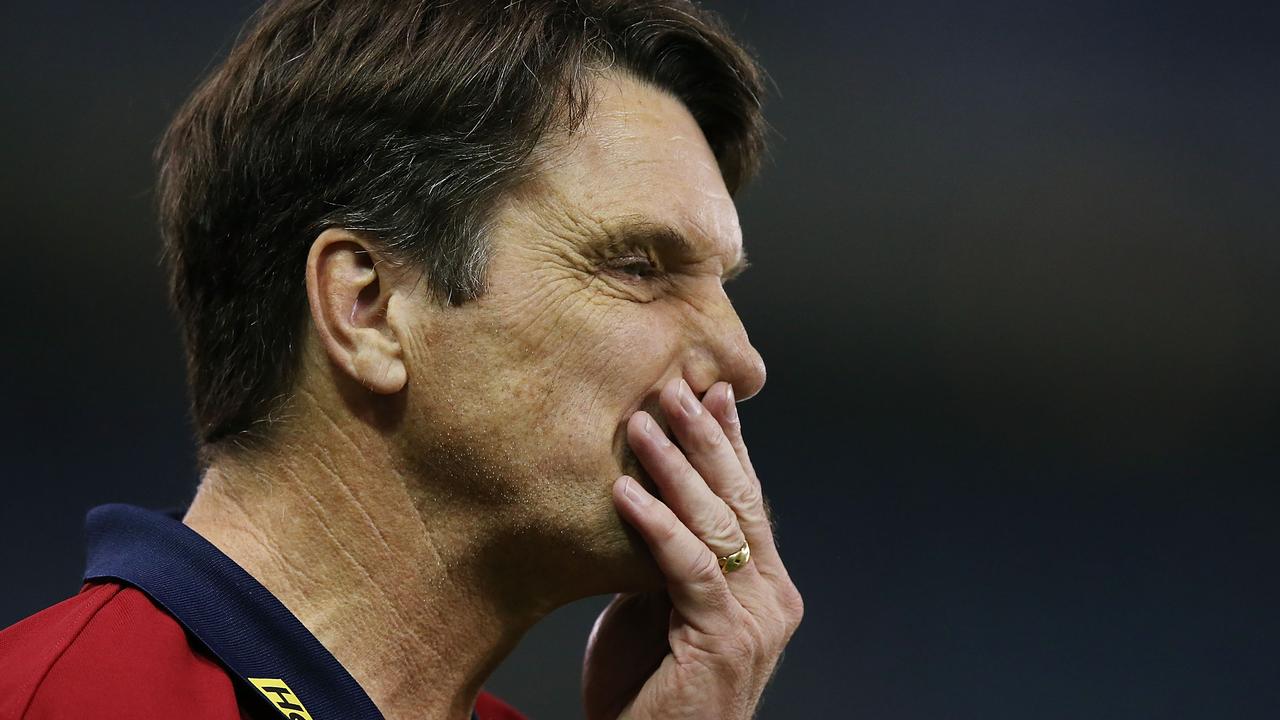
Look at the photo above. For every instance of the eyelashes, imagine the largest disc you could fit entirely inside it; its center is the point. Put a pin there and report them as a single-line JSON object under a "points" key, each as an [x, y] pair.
{"points": [[633, 266]]}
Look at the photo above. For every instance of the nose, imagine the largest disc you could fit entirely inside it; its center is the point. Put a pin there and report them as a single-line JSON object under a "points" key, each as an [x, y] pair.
{"points": [[724, 352]]}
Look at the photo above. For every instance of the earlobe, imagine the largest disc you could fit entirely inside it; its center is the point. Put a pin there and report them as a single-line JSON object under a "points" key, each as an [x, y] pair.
{"points": [[379, 372], [349, 289]]}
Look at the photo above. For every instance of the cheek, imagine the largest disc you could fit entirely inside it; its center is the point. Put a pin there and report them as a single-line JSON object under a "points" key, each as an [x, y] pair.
{"points": [[594, 356]]}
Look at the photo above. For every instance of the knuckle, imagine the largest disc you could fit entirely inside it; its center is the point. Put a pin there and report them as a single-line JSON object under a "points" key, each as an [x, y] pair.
{"points": [[733, 431], [669, 530], [722, 528], [702, 437], [705, 569], [709, 434], [746, 495], [792, 606], [690, 477], [671, 470]]}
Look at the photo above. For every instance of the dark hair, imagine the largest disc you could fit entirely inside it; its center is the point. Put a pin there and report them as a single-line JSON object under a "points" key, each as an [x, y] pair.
{"points": [[406, 120]]}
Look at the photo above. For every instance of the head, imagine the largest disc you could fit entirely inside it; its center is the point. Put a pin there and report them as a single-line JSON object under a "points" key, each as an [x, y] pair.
{"points": [[482, 233]]}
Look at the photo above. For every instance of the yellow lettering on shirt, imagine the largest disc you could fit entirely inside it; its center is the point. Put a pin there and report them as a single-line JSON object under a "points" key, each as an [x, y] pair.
{"points": [[282, 697]]}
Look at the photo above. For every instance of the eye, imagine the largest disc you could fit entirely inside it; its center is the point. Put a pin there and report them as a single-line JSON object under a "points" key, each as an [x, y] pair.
{"points": [[637, 266]]}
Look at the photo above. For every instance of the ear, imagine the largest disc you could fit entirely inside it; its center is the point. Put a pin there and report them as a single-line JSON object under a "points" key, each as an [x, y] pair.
{"points": [[350, 287]]}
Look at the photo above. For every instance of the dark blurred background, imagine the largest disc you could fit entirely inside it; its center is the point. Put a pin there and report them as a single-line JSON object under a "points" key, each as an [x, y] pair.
{"points": [[1016, 277]]}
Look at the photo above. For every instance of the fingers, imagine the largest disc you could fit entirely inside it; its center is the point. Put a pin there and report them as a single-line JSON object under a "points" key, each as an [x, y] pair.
{"points": [[697, 587], [708, 489], [721, 403], [682, 488], [714, 448]]}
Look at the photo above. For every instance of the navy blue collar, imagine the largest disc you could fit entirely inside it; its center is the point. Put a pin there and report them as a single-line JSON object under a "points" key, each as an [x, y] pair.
{"points": [[236, 618]]}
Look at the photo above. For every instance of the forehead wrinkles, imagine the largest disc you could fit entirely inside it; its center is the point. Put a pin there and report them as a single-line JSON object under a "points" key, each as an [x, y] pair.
{"points": [[672, 181], [672, 139], [701, 225], [640, 158]]}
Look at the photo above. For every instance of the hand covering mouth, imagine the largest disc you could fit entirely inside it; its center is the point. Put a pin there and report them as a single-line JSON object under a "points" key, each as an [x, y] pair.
{"points": [[631, 464]]}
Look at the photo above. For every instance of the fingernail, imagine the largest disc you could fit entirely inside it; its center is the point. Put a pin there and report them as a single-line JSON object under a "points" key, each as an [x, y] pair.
{"points": [[633, 493], [731, 405], [652, 430], [687, 400]]}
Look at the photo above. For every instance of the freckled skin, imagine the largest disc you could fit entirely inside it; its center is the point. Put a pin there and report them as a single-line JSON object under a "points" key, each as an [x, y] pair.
{"points": [[521, 397]]}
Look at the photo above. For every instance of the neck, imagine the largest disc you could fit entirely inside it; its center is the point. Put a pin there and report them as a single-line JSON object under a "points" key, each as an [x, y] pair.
{"points": [[410, 590]]}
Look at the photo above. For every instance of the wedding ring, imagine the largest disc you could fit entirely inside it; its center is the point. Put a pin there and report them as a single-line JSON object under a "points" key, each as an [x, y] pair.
{"points": [[729, 563]]}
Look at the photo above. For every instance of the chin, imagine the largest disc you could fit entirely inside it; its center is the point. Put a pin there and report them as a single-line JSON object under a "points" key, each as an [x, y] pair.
{"points": [[633, 568], [613, 558], [606, 554]]}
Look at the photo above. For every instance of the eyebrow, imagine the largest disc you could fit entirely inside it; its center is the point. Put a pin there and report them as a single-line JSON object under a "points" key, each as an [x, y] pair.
{"points": [[663, 237]]}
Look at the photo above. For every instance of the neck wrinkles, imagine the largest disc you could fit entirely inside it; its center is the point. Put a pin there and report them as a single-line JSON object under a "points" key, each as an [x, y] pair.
{"points": [[408, 594]]}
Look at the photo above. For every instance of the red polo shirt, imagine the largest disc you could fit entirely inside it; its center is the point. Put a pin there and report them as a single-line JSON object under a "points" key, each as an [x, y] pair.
{"points": [[166, 625]]}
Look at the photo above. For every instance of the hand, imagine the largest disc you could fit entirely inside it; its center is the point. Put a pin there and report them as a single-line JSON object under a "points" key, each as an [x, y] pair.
{"points": [[707, 646]]}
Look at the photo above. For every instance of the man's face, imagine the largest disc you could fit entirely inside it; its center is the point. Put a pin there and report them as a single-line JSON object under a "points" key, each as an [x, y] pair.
{"points": [[606, 282]]}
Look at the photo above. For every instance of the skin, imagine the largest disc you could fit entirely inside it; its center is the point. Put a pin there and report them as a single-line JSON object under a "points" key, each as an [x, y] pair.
{"points": [[443, 477]]}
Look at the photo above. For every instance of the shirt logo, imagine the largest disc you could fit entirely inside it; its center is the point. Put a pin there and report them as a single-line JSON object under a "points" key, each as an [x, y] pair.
{"points": [[282, 697]]}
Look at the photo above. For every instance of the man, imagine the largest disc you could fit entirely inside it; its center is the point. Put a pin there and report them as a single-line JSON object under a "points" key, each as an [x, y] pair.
{"points": [[451, 282]]}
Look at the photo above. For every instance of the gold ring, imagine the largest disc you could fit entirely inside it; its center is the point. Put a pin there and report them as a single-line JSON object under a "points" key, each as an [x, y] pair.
{"points": [[729, 563]]}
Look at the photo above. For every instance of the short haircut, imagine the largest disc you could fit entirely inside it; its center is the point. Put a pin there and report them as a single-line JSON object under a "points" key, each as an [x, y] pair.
{"points": [[406, 120]]}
